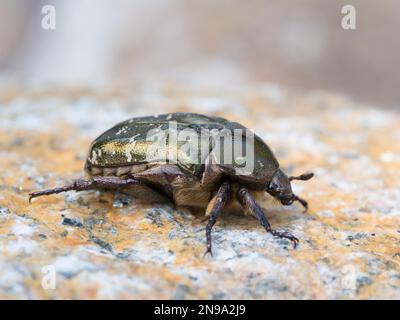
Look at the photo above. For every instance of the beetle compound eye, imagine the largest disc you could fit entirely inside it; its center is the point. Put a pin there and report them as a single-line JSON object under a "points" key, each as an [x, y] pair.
{"points": [[273, 186]]}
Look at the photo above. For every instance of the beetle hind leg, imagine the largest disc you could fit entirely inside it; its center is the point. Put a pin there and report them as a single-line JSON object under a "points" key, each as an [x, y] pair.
{"points": [[81, 185], [249, 204]]}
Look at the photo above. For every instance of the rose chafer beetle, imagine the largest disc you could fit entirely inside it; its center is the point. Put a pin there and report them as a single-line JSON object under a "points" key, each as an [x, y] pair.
{"points": [[120, 158]]}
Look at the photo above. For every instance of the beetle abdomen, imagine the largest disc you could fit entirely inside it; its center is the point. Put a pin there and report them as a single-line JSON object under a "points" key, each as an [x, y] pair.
{"points": [[121, 172]]}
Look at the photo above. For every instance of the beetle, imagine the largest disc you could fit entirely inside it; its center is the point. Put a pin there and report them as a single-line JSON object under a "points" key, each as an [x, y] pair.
{"points": [[129, 156]]}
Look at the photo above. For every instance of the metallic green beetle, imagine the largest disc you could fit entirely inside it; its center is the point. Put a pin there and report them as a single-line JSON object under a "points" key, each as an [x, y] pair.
{"points": [[191, 159]]}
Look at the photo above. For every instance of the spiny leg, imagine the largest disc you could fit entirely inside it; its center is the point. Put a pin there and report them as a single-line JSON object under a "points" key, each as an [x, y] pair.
{"points": [[81, 185], [249, 204], [214, 208]]}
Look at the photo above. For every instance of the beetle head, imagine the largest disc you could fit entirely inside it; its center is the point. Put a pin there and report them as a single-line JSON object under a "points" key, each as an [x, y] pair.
{"points": [[280, 187]]}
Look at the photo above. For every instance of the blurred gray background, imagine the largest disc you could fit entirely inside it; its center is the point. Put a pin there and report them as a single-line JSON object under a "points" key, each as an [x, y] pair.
{"points": [[299, 44]]}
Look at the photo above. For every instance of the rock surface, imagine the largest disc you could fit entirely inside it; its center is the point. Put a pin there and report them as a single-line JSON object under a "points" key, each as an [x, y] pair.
{"points": [[109, 245]]}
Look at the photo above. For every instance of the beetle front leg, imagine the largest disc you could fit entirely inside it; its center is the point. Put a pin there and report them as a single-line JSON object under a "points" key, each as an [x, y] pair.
{"points": [[214, 208], [81, 185], [249, 203]]}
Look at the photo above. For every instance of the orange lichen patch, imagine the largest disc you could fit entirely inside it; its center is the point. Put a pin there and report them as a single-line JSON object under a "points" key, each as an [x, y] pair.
{"points": [[111, 245], [44, 153]]}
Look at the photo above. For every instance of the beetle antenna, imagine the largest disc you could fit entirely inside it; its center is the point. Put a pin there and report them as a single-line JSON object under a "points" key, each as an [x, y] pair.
{"points": [[304, 176]]}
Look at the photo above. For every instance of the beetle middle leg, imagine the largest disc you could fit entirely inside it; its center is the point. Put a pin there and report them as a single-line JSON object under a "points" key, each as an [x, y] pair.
{"points": [[249, 203], [81, 185], [214, 208]]}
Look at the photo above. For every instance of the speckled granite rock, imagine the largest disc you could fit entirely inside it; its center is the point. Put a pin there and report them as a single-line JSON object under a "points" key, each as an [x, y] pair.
{"points": [[105, 245]]}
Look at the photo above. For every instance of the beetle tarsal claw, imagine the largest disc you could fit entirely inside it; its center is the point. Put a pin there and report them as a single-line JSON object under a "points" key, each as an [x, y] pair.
{"points": [[286, 235], [40, 193], [47, 192], [208, 251]]}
